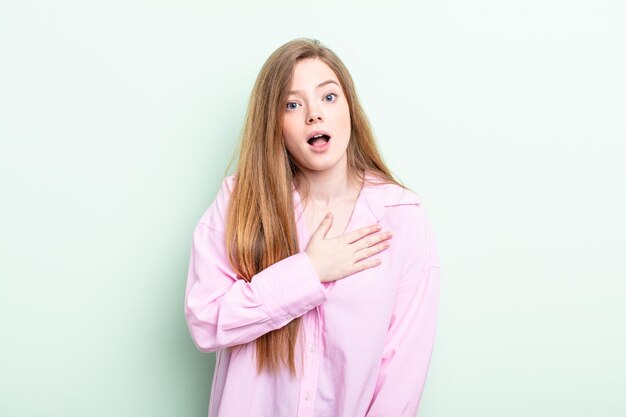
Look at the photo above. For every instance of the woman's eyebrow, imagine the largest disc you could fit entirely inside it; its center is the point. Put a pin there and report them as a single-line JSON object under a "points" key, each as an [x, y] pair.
{"points": [[318, 86]]}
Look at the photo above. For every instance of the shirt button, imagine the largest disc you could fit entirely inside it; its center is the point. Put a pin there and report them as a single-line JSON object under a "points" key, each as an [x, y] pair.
{"points": [[312, 349], [308, 306], [307, 397]]}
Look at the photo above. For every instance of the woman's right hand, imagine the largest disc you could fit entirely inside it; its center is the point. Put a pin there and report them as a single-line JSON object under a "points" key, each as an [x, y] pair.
{"points": [[338, 257]]}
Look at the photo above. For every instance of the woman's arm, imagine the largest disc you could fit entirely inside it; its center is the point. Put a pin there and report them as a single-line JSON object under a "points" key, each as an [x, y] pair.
{"points": [[411, 333], [223, 311], [408, 348]]}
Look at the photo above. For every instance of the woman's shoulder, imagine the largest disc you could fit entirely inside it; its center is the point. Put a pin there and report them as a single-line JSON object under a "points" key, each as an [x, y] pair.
{"points": [[389, 194], [215, 215], [227, 186]]}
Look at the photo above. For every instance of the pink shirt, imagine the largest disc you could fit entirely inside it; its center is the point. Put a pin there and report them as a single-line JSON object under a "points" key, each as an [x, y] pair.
{"points": [[366, 340]]}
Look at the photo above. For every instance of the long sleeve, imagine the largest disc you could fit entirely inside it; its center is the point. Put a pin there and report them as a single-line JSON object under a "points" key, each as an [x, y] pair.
{"points": [[223, 311], [411, 335]]}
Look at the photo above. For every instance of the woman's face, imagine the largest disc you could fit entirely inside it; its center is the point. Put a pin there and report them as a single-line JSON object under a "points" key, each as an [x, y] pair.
{"points": [[316, 106]]}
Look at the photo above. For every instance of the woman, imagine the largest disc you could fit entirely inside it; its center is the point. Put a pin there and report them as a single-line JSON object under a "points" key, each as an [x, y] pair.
{"points": [[295, 280]]}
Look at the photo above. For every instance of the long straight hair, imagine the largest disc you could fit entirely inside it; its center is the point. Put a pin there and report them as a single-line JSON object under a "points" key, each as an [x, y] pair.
{"points": [[261, 229]]}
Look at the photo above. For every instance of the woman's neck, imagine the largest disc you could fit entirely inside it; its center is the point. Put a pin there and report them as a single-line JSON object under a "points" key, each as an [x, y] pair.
{"points": [[325, 188]]}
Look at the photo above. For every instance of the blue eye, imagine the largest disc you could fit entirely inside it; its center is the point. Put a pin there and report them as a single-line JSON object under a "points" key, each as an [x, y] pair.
{"points": [[292, 106], [332, 96]]}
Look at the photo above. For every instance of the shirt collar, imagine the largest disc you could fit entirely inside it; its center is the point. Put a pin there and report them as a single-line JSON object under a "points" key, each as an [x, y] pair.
{"points": [[376, 196], [379, 196]]}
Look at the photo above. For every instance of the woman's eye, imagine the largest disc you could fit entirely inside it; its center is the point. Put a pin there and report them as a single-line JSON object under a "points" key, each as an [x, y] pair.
{"points": [[292, 106], [331, 97]]}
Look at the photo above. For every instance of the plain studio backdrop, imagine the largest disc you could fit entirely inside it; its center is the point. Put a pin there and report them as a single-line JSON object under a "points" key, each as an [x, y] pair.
{"points": [[118, 119]]}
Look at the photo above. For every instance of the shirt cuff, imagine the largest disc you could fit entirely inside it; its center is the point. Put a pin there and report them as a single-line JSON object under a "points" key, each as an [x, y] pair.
{"points": [[289, 288]]}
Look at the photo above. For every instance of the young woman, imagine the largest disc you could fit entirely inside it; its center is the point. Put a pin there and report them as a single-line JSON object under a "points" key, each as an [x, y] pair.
{"points": [[314, 275]]}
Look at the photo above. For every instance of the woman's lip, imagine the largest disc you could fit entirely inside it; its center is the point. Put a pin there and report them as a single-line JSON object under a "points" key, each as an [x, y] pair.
{"points": [[317, 132], [320, 146]]}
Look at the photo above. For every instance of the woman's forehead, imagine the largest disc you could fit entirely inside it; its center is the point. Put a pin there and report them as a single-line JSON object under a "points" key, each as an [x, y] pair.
{"points": [[309, 73]]}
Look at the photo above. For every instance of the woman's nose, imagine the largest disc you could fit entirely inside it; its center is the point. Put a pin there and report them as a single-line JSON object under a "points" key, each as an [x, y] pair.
{"points": [[314, 116]]}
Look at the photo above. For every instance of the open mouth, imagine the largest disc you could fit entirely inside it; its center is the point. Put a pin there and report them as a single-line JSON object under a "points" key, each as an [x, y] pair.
{"points": [[318, 139]]}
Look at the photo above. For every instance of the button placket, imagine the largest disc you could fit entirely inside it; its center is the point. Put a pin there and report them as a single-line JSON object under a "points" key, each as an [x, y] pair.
{"points": [[308, 386]]}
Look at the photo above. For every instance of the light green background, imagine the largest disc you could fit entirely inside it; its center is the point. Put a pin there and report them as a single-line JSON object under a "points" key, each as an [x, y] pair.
{"points": [[118, 118]]}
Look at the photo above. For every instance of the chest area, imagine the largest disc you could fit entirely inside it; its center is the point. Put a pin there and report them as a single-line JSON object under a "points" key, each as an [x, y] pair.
{"points": [[342, 214]]}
